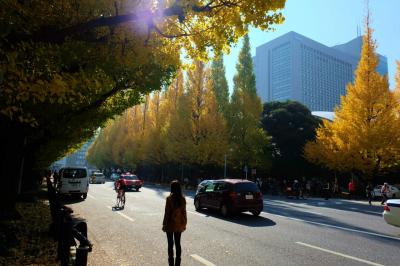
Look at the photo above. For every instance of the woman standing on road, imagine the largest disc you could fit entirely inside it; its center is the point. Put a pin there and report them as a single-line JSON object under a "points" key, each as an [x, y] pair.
{"points": [[174, 223]]}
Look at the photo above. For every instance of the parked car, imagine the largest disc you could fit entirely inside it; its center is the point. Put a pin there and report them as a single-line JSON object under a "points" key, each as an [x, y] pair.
{"points": [[114, 176], [97, 177], [391, 212], [132, 181], [229, 196], [73, 181], [394, 192]]}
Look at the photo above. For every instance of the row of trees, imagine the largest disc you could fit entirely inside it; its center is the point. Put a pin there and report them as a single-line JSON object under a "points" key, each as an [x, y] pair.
{"points": [[192, 123], [197, 125], [67, 67], [364, 137]]}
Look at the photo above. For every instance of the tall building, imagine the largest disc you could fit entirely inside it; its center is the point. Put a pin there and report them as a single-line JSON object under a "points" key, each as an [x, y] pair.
{"points": [[294, 67], [76, 159]]}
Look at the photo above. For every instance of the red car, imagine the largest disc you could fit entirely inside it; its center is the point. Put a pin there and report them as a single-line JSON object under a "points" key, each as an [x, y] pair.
{"points": [[131, 181]]}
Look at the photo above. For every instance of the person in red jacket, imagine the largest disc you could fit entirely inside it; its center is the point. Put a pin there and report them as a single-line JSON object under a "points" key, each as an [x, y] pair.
{"points": [[174, 223], [352, 189]]}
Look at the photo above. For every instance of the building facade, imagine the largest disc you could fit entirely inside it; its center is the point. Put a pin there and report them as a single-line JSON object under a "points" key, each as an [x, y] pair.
{"points": [[294, 67], [76, 159]]}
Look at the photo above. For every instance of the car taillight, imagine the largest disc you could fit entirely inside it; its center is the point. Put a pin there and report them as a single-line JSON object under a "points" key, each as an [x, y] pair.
{"points": [[386, 208]]}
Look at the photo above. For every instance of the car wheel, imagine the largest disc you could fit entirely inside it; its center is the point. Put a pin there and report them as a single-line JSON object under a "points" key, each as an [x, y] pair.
{"points": [[137, 189], [197, 205], [224, 210], [84, 195], [256, 213]]}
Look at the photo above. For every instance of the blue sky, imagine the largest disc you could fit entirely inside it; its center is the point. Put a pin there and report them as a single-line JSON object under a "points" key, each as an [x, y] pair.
{"points": [[332, 22]]}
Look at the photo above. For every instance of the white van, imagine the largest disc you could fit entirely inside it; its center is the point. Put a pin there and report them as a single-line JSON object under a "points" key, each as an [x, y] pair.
{"points": [[73, 181]]}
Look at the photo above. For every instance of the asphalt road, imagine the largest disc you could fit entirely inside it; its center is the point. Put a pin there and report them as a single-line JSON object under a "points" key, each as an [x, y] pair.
{"points": [[288, 232]]}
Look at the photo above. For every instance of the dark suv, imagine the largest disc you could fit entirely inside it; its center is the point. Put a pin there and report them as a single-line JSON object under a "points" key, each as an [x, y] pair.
{"points": [[229, 196]]}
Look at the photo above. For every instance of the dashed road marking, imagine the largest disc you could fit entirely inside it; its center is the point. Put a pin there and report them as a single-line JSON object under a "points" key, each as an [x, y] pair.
{"points": [[335, 226], [202, 260], [339, 254], [123, 215]]}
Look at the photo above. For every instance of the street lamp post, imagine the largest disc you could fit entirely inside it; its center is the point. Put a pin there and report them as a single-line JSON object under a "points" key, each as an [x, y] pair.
{"points": [[225, 167]]}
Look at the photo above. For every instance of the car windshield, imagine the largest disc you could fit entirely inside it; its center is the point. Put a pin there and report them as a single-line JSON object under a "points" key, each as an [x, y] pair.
{"points": [[74, 173], [130, 177], [246, 187]]}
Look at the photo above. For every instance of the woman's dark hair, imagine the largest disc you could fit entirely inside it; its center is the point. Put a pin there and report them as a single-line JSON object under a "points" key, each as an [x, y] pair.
{"points": [[176, 193]]}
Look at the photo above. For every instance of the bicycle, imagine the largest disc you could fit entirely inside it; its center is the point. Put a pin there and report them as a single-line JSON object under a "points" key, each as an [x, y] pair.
{"points": [[120, 204]]}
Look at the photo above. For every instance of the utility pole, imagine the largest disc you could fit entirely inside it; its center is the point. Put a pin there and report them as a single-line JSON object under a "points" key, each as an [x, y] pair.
{"points": [[225, 167]]}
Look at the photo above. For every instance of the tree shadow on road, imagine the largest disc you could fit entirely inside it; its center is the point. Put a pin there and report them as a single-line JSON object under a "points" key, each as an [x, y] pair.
{"points": [[246, 219], [337, 204], [297, 213], [70, 199]]}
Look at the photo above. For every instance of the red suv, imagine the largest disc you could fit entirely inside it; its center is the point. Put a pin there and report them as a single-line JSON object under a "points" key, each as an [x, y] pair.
{"points": [[131, 181], [229, 196]]}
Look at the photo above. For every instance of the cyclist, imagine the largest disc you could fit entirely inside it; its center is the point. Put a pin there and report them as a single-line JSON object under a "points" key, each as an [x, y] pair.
{"points": [[120, 188]]}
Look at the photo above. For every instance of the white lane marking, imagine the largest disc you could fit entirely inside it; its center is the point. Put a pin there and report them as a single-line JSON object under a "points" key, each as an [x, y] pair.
{"points": [[339, 254], [90, 196], [123, 215], [317, 213], [380, 213], [200, 214], [202, 260], [334, 226]]}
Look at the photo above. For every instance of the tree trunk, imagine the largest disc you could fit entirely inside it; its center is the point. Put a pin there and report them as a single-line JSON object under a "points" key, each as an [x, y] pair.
{"points": [[12, 150]]}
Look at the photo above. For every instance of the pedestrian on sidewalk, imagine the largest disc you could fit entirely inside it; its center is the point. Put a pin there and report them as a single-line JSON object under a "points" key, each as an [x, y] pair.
{"points": [[327, 190], [384, 191], [174, 223], [296, 188], [368, 190], [352, 189]]}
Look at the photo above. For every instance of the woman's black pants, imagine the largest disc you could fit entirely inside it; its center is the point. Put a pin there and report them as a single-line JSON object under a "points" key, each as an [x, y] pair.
{"points": [[174, 237]]}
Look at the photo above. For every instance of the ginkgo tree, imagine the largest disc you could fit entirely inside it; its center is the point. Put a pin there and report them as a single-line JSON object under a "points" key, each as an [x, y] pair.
{"points": [[66, 67], [197, 133], [365, 134], [248, 141]]}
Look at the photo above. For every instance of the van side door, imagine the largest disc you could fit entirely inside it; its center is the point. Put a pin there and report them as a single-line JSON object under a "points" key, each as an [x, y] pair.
{"points": [[217, 197], [208, 194]]}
